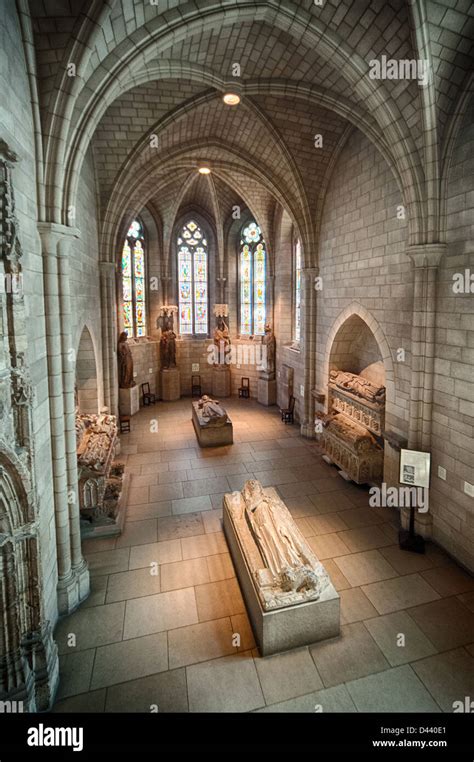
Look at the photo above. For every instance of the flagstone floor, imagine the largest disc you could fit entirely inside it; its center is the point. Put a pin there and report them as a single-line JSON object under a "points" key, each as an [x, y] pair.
{"points": [[166, 641]]}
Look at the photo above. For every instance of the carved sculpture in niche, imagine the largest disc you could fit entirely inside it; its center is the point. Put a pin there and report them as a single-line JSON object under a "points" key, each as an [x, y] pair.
{"points": [[95, 441], [28, 654], [125, 362], [284, 568], [356, 414]]}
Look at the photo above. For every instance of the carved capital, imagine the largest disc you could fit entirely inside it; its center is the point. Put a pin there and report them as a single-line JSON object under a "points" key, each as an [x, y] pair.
{"points": [[426, 254]]}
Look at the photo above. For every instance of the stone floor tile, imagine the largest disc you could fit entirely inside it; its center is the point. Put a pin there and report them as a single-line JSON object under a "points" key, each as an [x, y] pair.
{"points": [[328, 546], [138, 533], [467, 599], [121, 662], [205, 487], [366, 538], [98, 590], [191, 505], [363, 568], [386, 631], [133, 584], [163, 552], [395, 690], [91, 627], [449, 677], [200, 642], [204, 545], [149, 511], [156, 613], [108, 561], [175, 527], [331, 502], [75, 670], [353, 654], [337, 577], [166, 492], [219, 599], [166, 691], [447, 623], [335, 699], [449, 580], [220, 567], [84, 703], [355, 606], [287, 675], [399, 593], [180, 574], [229, 684]]}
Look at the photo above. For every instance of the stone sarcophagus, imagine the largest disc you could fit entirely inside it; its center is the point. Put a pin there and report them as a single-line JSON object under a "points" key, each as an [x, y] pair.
{"points": [[289, 597], [100, 480], [355, 420], [211, 423]]}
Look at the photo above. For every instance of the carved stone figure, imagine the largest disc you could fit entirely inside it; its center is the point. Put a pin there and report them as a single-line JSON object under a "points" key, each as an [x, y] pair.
{"points": [[168, 349], [221, 339], [284, 567], [357, 385], [212, 413], [269, 345], [125, 362]]}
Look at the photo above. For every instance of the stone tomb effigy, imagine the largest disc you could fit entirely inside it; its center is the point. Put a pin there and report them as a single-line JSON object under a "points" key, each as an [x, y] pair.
{"points": [[355, 420], [289, 597], [211, 423], [102, 483]]}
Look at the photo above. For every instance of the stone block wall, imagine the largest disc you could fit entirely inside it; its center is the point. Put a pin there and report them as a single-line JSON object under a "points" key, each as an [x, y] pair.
{"points": [[453, 400], [16, 128]]}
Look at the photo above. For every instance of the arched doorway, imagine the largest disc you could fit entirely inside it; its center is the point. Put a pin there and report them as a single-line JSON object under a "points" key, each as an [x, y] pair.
{"points": [[28, 654]]}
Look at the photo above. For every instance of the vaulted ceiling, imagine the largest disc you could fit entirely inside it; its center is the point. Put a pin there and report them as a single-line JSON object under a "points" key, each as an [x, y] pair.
{"points": [[146, 98]]}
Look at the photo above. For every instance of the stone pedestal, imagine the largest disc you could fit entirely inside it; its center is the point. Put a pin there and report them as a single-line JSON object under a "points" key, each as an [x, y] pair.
{"points": [[267, 389], [291, 626], [170, 385], [129, 401], [221, 385]]}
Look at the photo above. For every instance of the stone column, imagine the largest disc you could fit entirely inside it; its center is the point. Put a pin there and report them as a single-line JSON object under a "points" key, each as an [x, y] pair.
{"points": [[426, 259], [73, 575], [109, 334], [308, 347]]}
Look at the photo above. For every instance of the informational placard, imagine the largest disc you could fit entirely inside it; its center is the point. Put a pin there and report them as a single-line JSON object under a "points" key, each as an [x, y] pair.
{"points": [[195, 367], [415, 468]]}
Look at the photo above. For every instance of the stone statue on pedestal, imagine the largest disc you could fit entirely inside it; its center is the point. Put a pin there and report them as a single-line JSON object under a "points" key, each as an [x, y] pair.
{"points": [[221, 340], [167, 343], [125, 362], [269, 346]]}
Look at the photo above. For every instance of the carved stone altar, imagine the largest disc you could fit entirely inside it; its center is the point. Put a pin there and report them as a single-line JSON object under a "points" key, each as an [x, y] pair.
{"points": [[289, 597], [211, 423], [355, 420], [102, 486]]}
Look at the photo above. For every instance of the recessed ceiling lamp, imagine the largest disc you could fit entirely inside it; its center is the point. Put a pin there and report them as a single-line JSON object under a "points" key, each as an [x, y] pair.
{"points": [[231, 99], [204, 171]]}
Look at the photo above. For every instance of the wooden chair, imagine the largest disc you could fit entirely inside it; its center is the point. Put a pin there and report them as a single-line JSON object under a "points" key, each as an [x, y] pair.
{"points": [[196, 386], [287, 414], [124, 421], [244, 388], [148, 398]]}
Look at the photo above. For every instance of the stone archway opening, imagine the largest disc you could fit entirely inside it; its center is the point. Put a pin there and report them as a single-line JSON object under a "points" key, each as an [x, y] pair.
{"points": [[355, 349], [87, 390]]}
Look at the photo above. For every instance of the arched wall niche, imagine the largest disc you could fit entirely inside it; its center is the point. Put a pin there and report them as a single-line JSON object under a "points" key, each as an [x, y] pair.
{"points": [[87, 384], [357, 343]]}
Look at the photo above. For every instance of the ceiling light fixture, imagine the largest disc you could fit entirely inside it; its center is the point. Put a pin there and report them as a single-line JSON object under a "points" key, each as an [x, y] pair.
{"points": [[231, 99], [204, 171]]}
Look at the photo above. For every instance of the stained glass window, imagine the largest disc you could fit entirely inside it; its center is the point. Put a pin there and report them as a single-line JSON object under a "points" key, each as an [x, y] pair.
{"points": [[297, 331], [252, 281], [193, 280], [133, 281]]}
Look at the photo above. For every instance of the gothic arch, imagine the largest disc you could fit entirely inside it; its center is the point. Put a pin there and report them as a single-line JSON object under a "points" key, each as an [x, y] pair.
{"points": [[356, 309], [87, 376]]}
